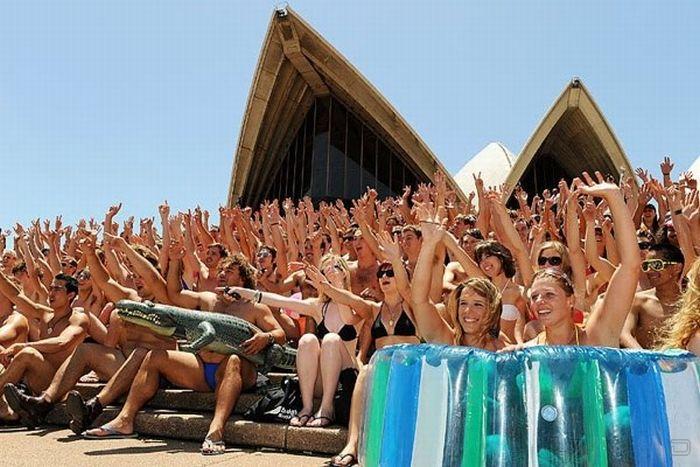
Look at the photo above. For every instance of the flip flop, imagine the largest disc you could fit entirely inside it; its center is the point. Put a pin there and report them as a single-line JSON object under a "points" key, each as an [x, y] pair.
{"points": [[108, 433], [328, 422], [306, 417], [339, 461], [212, 448]]}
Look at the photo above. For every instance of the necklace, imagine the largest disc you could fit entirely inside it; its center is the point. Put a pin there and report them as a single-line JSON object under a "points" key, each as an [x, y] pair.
{"points": [[542, 338], [392, 314], [50, 327]]}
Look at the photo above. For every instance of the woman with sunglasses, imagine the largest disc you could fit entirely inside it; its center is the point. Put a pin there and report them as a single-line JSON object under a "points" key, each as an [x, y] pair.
{"points": [[321, 356], [393, 323], [552, 292], [683, 329]]}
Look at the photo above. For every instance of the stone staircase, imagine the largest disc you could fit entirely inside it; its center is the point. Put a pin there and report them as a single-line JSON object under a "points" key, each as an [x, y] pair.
{"points": [[184, 414]]}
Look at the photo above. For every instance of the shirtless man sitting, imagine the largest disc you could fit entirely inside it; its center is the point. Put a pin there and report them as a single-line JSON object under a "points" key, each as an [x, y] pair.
{"points": [[651, 308], [226, 375], [14, 327], [61, 329], [115, 357]]}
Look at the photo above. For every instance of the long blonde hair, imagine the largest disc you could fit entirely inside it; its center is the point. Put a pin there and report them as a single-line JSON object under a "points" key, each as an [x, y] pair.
{"points": [[683, 325], [485, 289], [331, 258]]}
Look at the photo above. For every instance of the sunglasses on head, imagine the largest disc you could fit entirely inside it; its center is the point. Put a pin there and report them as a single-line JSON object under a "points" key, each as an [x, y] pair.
{"points": [[656, 264], [552, 260], [385, 272]]}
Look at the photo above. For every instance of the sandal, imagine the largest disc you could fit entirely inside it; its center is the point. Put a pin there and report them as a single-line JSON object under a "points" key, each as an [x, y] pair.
{"points": [[339, 460], [107, 432], [213, 448], [301, 420], [325, 421]]}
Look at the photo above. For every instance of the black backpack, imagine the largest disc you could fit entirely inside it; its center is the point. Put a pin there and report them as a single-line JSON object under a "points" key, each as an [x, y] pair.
{"points": [[279, 404], [343, 395]]}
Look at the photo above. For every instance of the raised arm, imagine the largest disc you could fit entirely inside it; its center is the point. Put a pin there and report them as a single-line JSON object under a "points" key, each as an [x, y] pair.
{"points": [[21, 301], [307, 307], [605, 324], [182, 298], [573, 242], [430, 324], [680, 223], [113, 290], [143, 268], [458, 254], [511, 238], [362, 307]]}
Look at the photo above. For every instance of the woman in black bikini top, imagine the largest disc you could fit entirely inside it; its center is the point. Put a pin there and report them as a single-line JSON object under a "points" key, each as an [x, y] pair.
{"points": [[393, 324], [335, 343]]}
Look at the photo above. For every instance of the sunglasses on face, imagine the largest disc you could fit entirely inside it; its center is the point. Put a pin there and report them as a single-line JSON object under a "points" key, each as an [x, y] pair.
{"points": [[552, 260], [349, 238], [263, 254], [644, 245], [656, 264], [385, 273]]}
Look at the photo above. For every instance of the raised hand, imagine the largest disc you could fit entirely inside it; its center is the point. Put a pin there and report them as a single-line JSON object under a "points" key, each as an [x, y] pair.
{"points": [[642, 174], [317, 279], [589, 210], [114, 210], [666, 166], [478, 182], [388, 245], [600, 189], [176, 250], [164, 210]]}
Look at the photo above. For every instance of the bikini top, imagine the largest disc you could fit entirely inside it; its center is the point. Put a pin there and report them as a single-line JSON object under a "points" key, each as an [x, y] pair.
{"points": [[404, 326], [347, 333]]}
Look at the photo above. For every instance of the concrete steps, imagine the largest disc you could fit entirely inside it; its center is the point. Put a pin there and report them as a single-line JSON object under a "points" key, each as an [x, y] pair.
{"points": [[184, 414]]}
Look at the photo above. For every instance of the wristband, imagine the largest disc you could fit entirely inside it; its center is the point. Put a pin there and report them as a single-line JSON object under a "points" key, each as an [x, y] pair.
{"points": [[257, 297], [665, 174], [678, 212], [270, 339]]}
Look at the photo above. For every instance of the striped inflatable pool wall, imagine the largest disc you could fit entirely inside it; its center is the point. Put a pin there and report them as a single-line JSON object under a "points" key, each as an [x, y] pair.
{"points": [[429, 405]]}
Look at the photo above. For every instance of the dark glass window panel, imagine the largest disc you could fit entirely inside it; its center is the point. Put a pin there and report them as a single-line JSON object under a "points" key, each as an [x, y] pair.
{"points": [[397, 169], [319, 171], [353, 172], [409, 179], [308, 151], [369, 158], [336, 151], [383, 169], [299, 162]]}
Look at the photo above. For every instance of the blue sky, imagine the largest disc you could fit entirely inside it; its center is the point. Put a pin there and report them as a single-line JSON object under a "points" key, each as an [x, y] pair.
{"points": [[140, 101]]}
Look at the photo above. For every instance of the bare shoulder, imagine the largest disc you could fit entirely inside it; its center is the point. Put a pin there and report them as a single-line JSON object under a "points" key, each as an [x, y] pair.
{"points": [[694, 344], [79, 316]]}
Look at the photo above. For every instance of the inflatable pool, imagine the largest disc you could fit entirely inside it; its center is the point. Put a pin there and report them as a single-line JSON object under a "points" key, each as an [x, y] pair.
{"points": [[429, 405]]}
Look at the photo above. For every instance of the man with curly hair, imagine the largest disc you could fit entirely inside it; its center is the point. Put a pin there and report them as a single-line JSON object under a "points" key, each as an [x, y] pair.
{"points": [[206, 371]]}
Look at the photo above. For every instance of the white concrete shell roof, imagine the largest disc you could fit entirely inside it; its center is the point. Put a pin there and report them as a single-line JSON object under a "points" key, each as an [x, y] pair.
{"points": [[494, 162], [695, 168]]}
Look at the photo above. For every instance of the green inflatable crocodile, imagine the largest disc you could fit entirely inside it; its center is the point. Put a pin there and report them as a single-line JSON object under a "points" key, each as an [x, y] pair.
{"points": [[216, 332]]}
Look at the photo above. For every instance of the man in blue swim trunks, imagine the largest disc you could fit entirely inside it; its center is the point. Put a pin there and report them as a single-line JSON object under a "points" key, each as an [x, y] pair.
{"points": [[226, 375]]}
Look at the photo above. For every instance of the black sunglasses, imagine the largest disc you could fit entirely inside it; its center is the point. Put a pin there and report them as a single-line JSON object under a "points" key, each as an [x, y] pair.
{"points": [[552, 260], [644, 245], [385, 272]]}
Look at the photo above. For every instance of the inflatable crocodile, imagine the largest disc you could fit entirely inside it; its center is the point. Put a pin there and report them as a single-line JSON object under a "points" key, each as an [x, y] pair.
{"points": [[216, 332]]}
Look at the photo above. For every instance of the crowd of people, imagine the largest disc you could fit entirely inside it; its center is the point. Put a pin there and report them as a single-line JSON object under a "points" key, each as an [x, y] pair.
{"points": [[339, 282]]}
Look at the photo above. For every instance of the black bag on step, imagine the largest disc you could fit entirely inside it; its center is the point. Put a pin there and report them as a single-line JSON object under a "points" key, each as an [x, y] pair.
{"points": [[279, 404], [343, 395]]}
